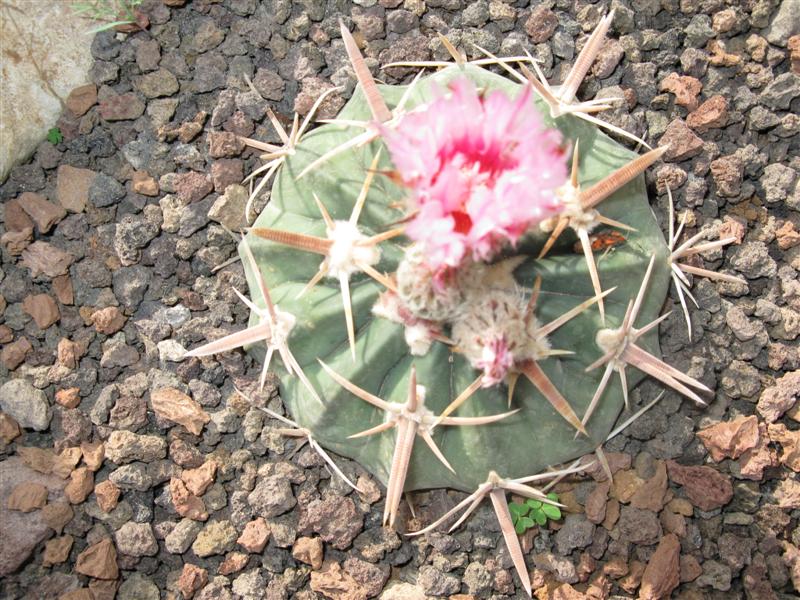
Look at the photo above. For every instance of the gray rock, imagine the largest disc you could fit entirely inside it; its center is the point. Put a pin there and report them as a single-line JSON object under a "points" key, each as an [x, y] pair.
{"points": [[132, 477], [136, 539], [778, 182], [102, 405], [26, 404], [117, 353], [752, 259], [272, 496], [561, 567], [134, 232], [105, 191], [130, 284], [157, 84], [638, 526], [781, 91], [698, 31], [124, 447], [403, 21], [170, 351], [576, 532], [335, 518], [138, 587], [269, 84], [742, 327], [217, 537], [216, 589], [715, 575], [784, 24], [436, 583], [478, 580], [249, 585], [207, 36], [182, 536], [229, 208]]}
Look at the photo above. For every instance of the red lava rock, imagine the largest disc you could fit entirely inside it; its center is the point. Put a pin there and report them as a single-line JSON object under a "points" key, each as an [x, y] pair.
{"points": [[43, 212], [790, 445], [43, 258], [662, 573], [683, 143], [788, 493], [753, 462], [233, 563], [200, 479], [225, 172], [192, 579], [80, 485], [192, 186], [99, 560], [690, 568], [650, 495], [27, 496], [174, 405], [255, 535], [123, 107], [791, 556], [69, 398], [14, 354], [711, 114], [81, 99], [186, 504], [730, 439], [733, 226], [93, 454], [42, 308], [68, 353], [685, 89], [6, 334], [309, 551], [787, 236], [143, 184], [336, 519], [596, 503], [15, 218], [62, 287], [793, 45], [541, 24], [72, 187], [16, 242], [56, 551], [727, 172], [9, 428], [223, 144], [779, 398], [108, 320], [107, 494], [705, 487]]}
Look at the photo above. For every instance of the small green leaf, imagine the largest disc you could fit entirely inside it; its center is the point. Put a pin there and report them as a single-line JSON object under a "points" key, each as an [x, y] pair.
{"points": [[518, 510], [54, 136], [552, 512], [539, 516], [553, 496], [533, 503], [519, 527]]}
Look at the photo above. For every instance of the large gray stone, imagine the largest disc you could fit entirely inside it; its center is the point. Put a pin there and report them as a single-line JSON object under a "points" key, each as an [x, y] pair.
{"points": [[26, 404]]}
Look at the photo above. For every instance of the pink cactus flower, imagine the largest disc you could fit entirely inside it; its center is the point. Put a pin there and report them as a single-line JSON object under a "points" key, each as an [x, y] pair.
{"points": [[482, 169]]}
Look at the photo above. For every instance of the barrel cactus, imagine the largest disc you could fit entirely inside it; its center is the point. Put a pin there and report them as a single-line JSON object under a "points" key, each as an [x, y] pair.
{"points": [[468, 260]]}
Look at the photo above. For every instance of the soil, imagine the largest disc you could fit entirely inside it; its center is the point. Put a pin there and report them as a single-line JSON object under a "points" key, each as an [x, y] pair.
{"points": [[115, 260]]}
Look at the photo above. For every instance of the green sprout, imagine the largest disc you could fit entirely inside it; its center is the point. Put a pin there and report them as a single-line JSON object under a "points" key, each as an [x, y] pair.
{"points": [[54, 136], [533, 512], [111, 13]]}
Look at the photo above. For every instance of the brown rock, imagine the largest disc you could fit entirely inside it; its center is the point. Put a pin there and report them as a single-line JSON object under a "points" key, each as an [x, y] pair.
{"points": [[200, 479], [733, 226], [791, 556], [107, 494], [596, 503], [38, 459], [122, 107], [93, 454], [255, 535], [99, 560], [625, 485], [541, 24], [69, 398], [662, 573], [15, 218], [233, 563], [787, 236], [711, 114], [793, 45], [186, 504], [730, 439], [225, 172], [27, 496], [681, 506], [727, 172], [673, 523], [16, 242], [103, 589], [6, 333], [650, 495], [690, 568], [9, 428], [631, 582], [72, 187], [685, 89], [56, 551], [81, 484], [788, 493], [174, 405], [81, 99], [705, 487], [612, 514], [44, 258], [56, 515], [779, 398], [14, 354], [311, 88], [790, 445], [309, 551], [719, 55], [62, 287], [617, 461], [66, 461], [336, 583], [43, 212], [192, 579], [79, 594], [68, 353], [108, 320], [753, 461], [42, 308], [143, 184], [192, 186], [223, 144], [683, 143]]}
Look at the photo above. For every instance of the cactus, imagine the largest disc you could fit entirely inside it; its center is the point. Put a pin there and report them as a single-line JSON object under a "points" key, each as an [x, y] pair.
{"points": [[370, 326]]}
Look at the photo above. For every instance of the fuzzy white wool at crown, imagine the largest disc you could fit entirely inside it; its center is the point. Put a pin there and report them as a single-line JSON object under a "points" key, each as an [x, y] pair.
{"points": [[349, 250]]}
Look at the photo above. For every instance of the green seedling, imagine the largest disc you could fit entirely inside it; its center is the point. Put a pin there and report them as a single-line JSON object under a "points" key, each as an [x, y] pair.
{"points": [[54, 136], [533, 512]]}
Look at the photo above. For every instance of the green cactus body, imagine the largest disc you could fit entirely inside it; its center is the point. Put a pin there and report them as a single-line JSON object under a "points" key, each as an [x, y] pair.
{"points": [[528, 441]]}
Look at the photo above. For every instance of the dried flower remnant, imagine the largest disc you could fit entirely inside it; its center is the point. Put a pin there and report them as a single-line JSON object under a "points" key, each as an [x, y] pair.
{"points": [[481, 170]]}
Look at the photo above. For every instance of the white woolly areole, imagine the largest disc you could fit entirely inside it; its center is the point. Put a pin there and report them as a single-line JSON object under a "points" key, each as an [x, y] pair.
{"points": [[415, 287], [573, 210], [281, 327], [609, 340], [346, 253], [419, 339]]}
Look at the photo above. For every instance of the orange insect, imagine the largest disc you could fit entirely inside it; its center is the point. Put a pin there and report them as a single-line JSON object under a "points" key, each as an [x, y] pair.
{"points": [[602, 241]]}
